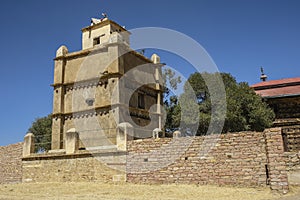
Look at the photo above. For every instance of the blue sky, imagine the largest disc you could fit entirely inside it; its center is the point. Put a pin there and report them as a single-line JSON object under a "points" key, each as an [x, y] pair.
{"points": [[240, 36]]}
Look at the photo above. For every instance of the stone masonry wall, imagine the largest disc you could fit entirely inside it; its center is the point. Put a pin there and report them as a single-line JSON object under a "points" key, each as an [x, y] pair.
{"points": [[243, 159], [102, 167], [292, 161], [291, 137], [229, 159], [293, 167], [276, 159], [11, 163], [291, 140]]}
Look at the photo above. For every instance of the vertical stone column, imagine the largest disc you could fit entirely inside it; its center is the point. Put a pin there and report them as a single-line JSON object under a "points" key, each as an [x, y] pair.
{"points": [[156, 60], [58, 98], [28, 146], [56, 133], [124, 132], [72, 141], [276, 160]]}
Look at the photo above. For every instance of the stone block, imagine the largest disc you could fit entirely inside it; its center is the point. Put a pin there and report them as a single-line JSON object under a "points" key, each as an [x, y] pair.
{"points": [[124, 132], [61, 51], [28, 145], [176, 134], [72, 141]]}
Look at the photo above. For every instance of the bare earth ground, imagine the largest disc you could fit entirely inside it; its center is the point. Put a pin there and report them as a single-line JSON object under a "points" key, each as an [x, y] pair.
{"points": [[125, 191]]}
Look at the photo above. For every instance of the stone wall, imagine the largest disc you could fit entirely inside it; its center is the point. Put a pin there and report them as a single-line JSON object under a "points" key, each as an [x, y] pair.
{"points": [[104, 166], [291, 137], [292, 161], [244, 159], [276, 160], [293, 167], [11, 163], [229, 159]]}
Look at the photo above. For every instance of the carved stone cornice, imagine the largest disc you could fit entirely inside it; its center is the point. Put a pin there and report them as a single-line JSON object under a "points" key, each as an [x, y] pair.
{"points": [[103, 110], [97, 81]]}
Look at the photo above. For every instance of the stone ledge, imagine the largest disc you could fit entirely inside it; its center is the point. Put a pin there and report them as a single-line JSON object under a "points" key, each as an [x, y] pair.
{"points": [[78, 154]]}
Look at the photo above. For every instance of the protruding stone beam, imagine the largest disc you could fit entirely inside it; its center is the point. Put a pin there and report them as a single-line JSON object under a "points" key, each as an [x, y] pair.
{"points": [[125, 132], [72, 141], [28, 146]]}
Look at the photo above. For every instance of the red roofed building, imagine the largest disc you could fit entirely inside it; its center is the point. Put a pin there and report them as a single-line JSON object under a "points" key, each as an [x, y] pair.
{"points": [[278, 88], [284, 97]]}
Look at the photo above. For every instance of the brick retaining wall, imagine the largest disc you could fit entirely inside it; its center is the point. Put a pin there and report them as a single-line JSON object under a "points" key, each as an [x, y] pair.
{"points": [[11, 163]]}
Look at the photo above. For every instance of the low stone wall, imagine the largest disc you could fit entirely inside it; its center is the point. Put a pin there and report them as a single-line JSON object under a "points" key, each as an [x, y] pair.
{"points": [[292, 161], [293, 167], [244, 159], [11, 163], [82, 166], [278, 177]]}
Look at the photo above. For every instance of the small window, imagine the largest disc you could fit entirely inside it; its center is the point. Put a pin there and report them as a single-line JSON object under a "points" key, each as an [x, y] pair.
{"points": [[96, 41], [141, 100]]}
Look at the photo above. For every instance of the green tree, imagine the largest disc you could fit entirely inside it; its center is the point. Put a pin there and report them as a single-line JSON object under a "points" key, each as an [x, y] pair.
{"points": [[170, 82], [245, 110], [42, 128]]}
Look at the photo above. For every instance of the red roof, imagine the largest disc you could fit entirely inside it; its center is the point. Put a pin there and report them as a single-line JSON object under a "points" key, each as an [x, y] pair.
{"points": [[278, 88], [277, 82]]}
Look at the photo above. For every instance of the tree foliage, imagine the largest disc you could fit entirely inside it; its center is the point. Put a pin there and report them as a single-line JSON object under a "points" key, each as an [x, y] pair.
{"points": [[42, 128], [170, 82], [244, 109]]}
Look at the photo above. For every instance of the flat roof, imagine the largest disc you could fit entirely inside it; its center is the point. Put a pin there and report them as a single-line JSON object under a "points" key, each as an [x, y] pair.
{"points": [[103, 23]]}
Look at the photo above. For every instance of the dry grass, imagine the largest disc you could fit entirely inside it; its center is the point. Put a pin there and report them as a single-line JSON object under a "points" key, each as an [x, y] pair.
{"points": [[91, 191]]}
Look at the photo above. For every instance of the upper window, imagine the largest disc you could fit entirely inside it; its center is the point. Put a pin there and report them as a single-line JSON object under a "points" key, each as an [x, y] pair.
{"points": [[96, 41]]}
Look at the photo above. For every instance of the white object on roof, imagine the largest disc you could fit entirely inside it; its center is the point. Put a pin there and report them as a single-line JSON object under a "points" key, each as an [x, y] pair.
{"points": [[95, 21]]}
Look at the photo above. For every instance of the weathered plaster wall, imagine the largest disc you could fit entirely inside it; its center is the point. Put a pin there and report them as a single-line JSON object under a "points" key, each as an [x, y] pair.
{"points": [[11, 163], [80, 77]]}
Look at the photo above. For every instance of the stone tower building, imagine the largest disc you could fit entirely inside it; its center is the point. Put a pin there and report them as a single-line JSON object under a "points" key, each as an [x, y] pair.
{"points": [[104, 85]]}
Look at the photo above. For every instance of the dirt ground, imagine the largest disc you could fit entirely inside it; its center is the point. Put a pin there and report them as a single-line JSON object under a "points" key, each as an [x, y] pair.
{"points": [[125, 191]]}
